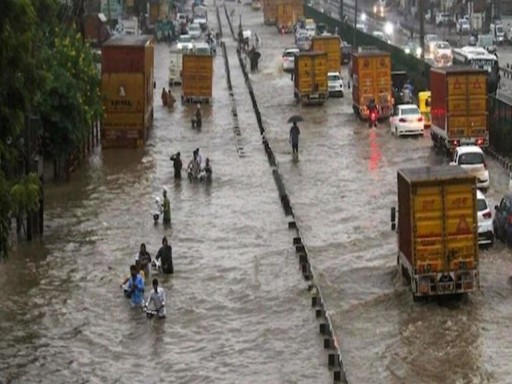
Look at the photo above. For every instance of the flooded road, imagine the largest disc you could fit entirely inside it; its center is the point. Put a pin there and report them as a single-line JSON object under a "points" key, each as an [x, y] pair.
{"points": [[342, 189], [237, 307]]}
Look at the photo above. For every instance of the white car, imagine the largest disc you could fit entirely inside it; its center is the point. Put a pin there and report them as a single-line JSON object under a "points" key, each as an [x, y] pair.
{"points": [[442, 53], [335, 83], [289, 59], [484, 216], [406, 120], [311, 30], [380, 35], [185, 43], [463, 26], [429, 40], [472, 159], [194, 31]]}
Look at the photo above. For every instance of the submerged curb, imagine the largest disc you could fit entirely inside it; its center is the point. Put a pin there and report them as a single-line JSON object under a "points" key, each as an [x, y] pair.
{"points": [[334, 360]]}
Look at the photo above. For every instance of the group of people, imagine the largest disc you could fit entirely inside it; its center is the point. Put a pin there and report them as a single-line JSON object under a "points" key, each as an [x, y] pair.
{"points": [[195, 170], [134, 284]]}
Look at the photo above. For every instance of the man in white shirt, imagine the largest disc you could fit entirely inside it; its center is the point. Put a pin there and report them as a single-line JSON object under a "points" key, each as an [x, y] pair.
{"points": [[157, 297]]}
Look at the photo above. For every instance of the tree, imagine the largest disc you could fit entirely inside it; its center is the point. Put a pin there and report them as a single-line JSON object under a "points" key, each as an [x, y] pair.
{"points": [[71, 102]]}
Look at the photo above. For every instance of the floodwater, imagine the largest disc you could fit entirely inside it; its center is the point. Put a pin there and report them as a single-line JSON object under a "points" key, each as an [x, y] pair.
{"points": [[342, 189], [237, 307]]}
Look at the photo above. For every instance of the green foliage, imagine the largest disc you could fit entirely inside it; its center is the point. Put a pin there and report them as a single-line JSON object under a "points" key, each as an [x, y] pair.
{"points": [[25, 194], [70, 102]]}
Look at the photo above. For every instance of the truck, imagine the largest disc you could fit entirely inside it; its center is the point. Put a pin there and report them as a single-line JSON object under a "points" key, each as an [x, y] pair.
{"points": [[371, 79], [269, 12], [175, 66], [197, 77], [127, 84], [458, 107], [437, 230], [310, 77], [330, 45], [288, 12]]}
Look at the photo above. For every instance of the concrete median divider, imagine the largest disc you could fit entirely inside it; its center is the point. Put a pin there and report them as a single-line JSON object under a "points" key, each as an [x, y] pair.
{"points": [[334, 361]]}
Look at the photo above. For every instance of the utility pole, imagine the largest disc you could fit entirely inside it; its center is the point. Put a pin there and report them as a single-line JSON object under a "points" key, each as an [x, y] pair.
{"points": [[341, 17], [421, 12], [355, 26]]}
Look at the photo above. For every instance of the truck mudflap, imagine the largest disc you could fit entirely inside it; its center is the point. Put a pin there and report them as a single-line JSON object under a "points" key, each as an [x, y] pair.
{"points": [[456, 282]]}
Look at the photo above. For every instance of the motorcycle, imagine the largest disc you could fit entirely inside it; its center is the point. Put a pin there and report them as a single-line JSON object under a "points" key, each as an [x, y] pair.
{"points": [[159, 210], [372, 119]]}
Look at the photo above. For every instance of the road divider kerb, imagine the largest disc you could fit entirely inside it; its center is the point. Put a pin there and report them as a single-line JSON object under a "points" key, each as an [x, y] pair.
{"points": [[330, 342]]}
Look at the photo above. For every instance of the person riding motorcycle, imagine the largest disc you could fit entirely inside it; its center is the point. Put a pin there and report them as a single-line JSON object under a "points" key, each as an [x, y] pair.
{"points": [[373, 110]]}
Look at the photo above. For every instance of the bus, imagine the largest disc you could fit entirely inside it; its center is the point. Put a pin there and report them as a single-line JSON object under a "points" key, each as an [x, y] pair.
{"points": [[475, 57]]}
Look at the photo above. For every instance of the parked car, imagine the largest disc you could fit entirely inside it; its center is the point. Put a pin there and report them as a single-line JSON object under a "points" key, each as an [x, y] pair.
{"points": [[288, 59], [184, 43], [502, 222], [406, 120], [346, 52], [463, 26], [472, 159], [485, 221], [335, 84]]}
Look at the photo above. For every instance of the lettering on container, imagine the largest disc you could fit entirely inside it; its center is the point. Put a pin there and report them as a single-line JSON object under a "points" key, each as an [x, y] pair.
{"points": [[428, 205], [460, 202], [120, 103], [462, 227]]}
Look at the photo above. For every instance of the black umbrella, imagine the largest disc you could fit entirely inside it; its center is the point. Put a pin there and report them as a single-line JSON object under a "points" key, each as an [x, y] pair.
{"points": [[295, 119]]}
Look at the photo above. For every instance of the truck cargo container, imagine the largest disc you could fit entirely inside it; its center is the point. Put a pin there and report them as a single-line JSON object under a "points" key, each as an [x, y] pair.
{"points": [[437, 230], [330, 45], [269, 12], [288, 12], [310, 77], [371, 70], [458, 107], [127, 83], [197, 76]]}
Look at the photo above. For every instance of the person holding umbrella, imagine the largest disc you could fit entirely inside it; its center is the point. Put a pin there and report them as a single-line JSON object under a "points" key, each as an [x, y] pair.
{"points": [[295, 133]]}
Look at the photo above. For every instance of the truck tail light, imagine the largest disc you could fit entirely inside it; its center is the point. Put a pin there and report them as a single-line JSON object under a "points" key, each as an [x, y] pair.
{"points": [[487, 215]]}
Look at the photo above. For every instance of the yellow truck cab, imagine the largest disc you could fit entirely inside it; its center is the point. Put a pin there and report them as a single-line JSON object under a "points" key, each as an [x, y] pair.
{"points": [[424, 106]]}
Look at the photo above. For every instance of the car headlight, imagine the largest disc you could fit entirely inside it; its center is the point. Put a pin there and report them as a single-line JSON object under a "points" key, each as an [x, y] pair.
{"points": [[388, 28], [407, 50], [418, 51]]}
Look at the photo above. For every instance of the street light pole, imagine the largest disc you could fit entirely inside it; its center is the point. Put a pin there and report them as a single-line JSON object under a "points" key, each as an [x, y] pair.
{"points": [[421, 12], [355, 26], [341, 18]]}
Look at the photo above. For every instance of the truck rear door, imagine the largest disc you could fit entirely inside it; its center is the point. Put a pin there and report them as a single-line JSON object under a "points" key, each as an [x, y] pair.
{"points": [[445, 235]]}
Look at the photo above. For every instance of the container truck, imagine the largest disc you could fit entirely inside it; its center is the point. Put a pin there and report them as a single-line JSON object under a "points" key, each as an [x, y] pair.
{"points": [[330, 45], [269, 12], [437, 230], [127, 83], [310, 77], [371, 79], [197, 76], [288, 12], [458, 107]]}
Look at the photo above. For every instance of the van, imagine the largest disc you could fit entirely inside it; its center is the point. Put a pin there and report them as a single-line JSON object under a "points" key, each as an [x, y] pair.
{"points": [[498, 32]]}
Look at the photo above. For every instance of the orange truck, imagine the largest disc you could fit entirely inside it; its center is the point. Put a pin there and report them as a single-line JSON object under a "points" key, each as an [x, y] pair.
{"points": [[269, 12], [197, 78], [288, 12], [310, 77], [458, 107], [127, 83], [437, 230], [330, 45], [371, 79]]}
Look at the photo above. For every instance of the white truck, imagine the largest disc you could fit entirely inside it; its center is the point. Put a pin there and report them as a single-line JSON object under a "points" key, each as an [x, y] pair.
{"points": [[175, 67]]}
